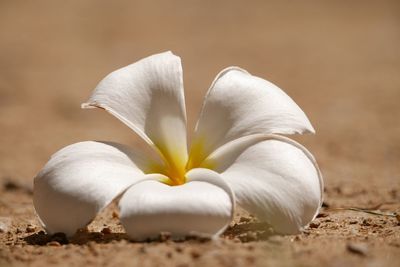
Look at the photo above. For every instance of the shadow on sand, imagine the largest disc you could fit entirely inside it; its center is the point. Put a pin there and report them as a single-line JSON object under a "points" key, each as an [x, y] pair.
{"points": [[245, 231]]}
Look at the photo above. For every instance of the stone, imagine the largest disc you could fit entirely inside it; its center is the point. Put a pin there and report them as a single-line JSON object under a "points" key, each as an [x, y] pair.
{"points": [[358, 248], [5, 224]]}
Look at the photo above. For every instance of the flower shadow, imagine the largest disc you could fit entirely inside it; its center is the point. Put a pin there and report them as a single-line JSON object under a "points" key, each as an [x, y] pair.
{"points": [[80, 238], [83, 237], [246, 230]]}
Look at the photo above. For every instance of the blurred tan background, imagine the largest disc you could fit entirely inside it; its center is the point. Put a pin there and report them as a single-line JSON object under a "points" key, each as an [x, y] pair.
{"points": [[339, 60]]}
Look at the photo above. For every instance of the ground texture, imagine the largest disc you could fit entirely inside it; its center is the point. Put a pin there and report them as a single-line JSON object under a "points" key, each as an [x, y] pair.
{"points": [[339, 60]]}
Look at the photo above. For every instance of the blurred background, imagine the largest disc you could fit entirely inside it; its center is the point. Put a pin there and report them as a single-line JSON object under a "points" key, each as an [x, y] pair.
{"points": [[339, 60]]}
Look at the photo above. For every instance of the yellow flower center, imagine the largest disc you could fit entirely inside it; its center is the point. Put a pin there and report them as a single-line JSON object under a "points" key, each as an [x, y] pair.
{"points": [[176, 166]]}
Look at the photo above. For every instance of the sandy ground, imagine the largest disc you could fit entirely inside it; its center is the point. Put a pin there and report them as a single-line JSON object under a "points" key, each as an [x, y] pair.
{"points": [[339, 60]]}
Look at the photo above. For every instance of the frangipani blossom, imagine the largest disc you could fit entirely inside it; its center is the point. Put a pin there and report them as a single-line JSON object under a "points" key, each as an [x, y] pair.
{"points": [[235, 158]]}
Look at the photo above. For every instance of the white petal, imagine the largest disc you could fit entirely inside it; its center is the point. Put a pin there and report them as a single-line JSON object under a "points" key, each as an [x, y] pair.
{"points": [[240, 104], [202, 206], [148, 97], [273, 177], [80, 180]]}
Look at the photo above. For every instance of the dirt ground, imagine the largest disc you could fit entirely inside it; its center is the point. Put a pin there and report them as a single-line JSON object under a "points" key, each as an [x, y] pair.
{"points": [[339, 60]]}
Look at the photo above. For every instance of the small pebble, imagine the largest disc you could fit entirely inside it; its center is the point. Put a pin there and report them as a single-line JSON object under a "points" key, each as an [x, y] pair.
{"points": [[353, 222], [353, 232], [164, 236], [296, 238], [60, 238], [30, 229], [106, 231], [358, 248], [244, 219], [10, 186], [54, 244], [5, 224], [250, 259], [322, 215], [366, 222], [306, 232], [314, 224], [115, 215], [195, 254], [248, 237], [14, 186]]}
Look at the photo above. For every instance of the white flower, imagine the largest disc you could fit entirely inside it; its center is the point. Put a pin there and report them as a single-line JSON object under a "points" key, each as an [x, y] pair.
{"points": [[235, 157]]}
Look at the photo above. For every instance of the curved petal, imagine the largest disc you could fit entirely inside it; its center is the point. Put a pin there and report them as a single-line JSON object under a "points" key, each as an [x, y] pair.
{"points": [[80, 180], [273, 177], [202, 206], [148, 97], [240, 104]]}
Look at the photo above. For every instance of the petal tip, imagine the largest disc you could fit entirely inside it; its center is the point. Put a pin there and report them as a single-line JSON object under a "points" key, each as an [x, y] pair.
{"points": [[230, 68], [307, 127], [169, 53], [86, 105], [92, 105], [310, 130]]}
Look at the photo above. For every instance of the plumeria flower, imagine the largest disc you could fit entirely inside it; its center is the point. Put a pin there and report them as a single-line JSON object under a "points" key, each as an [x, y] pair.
{"points": [[235, 158]]}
